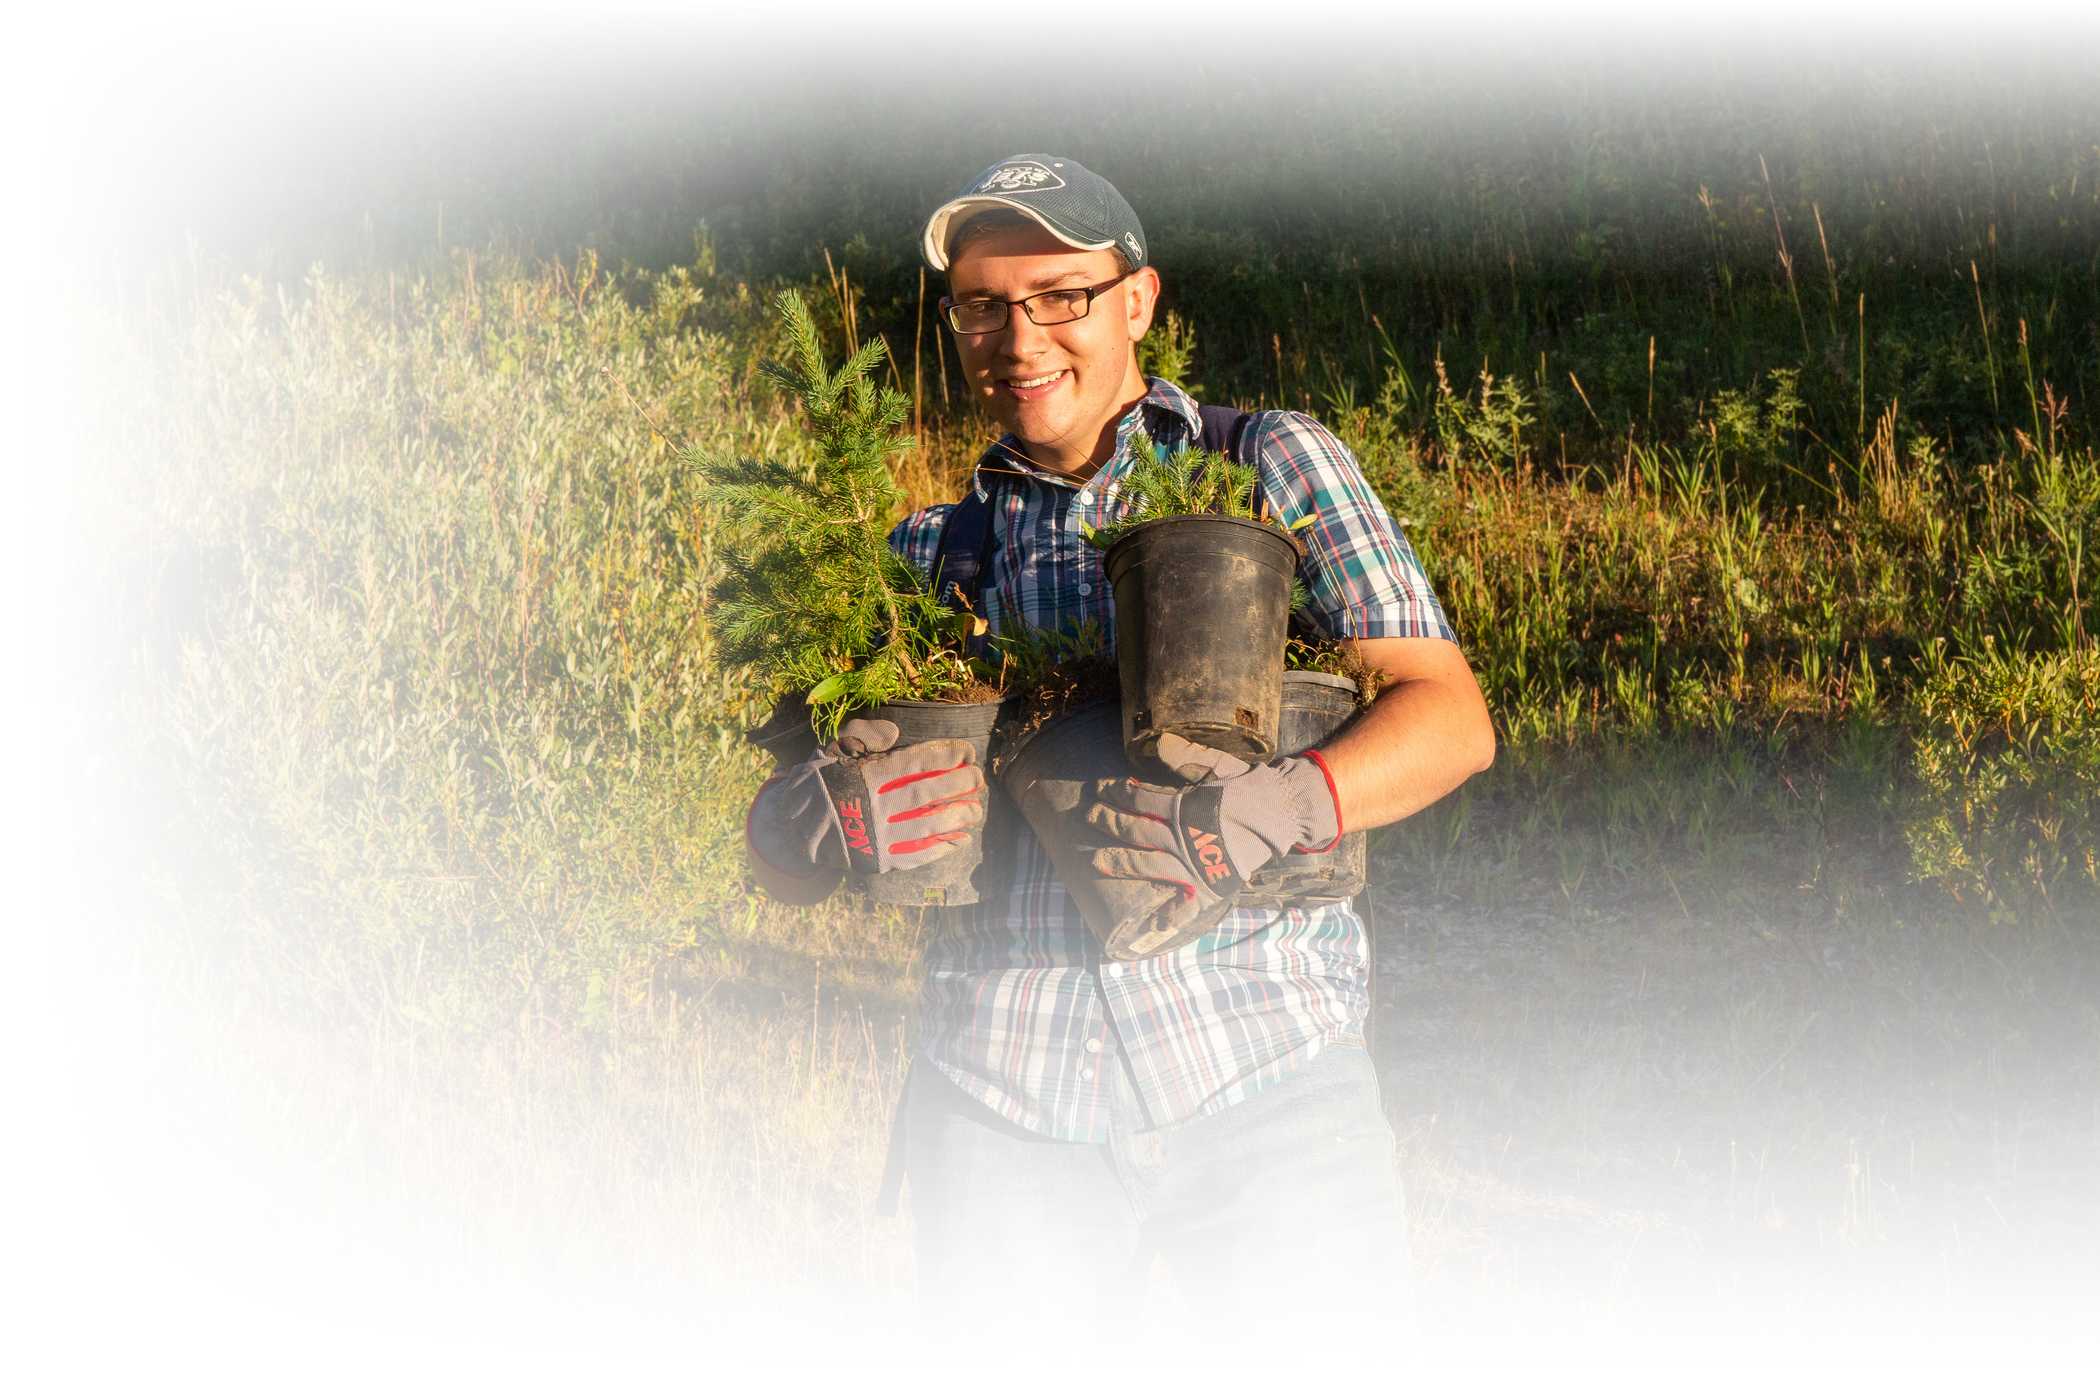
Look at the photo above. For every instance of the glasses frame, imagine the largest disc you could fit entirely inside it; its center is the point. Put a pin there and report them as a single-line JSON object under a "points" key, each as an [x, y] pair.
{"points": [[949, 306]]}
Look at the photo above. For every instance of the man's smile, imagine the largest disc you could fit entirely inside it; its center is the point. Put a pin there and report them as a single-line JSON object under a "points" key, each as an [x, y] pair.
{"points": [[1036, 386]]}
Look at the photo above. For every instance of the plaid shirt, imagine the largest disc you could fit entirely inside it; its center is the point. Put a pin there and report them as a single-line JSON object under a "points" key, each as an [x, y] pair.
{"points": [[1019, 1008]]}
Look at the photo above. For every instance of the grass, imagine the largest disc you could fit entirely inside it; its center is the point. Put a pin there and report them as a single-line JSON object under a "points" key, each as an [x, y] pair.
{"points": [[1764, 951]]}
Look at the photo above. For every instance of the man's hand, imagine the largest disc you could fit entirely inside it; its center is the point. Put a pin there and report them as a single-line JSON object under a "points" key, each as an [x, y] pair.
{"points": [[859, 804], [1204, 842]]}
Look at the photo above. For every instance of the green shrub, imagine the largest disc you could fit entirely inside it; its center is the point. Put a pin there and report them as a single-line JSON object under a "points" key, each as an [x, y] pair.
{"points": [[1490, 432]]}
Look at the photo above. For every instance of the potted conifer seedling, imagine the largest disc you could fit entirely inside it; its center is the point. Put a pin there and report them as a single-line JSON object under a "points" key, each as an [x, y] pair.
{"points": [[834, 622], [1204, 586], [1205, 590]]}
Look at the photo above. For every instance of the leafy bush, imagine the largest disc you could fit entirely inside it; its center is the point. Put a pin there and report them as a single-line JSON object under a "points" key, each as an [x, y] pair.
{"points": [[1491, 431], [1759, 441]]}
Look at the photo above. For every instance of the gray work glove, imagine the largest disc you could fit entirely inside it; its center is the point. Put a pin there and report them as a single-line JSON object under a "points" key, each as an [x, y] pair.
{"points": [[1205, 841], [857, 804]]}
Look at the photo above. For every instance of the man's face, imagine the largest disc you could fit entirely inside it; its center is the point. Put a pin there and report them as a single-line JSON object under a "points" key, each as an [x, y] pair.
{"points": [[1056, 387]]}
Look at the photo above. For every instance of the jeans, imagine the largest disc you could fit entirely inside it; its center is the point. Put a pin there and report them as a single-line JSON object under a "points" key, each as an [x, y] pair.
{"points": [[1285, 1205]]}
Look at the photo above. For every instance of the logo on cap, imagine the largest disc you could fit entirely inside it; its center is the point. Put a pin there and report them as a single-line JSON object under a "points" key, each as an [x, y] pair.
{"points": [[1131, 239], [1019, 177]]}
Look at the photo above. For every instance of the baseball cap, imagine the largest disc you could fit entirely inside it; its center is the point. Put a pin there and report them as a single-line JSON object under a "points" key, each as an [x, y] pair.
{"points": [[1077, 206]]}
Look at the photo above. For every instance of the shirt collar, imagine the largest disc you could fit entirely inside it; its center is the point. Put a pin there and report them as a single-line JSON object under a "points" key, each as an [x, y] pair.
{"points": [[1165, 404]]}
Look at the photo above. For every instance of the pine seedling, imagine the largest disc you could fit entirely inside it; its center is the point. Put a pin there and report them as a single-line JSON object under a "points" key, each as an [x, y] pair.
{"points": [[813, 595], [1194, 482]]}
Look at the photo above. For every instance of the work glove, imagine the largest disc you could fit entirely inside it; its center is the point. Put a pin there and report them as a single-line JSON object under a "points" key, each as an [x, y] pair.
{"points": [[858, 804], [1204, 842]]}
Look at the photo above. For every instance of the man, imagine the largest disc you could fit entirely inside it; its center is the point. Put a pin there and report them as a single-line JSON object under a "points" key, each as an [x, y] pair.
{"points": [[1069, 1119]]}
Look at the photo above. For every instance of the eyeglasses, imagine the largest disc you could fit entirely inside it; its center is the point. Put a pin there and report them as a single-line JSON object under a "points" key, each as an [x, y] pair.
{"points": [[1052, 308]]}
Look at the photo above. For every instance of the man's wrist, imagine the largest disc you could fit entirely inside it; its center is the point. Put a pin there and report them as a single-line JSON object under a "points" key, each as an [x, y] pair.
{"points": [[1334, 799]]}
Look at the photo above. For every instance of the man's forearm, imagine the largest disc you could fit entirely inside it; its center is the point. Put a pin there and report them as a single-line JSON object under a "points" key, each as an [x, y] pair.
{"points": [[1420, 739]]}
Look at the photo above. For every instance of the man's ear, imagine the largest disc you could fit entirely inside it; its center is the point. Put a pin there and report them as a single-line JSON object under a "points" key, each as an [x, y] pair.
{"points": [[1139, 300]]}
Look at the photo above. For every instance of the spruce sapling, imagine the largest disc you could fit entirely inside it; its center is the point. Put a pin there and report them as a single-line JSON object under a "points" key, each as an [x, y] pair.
{"points": [[813, 595], [1195, 481]]}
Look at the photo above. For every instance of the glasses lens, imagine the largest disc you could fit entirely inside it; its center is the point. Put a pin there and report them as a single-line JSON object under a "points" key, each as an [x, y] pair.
{"points": [[1049, 308], [977, 317]]}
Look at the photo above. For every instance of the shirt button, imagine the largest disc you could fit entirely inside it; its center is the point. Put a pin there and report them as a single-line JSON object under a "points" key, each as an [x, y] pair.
{"points": [[1086, 498], [1094, 1045], [1086, 1074], [1085, 589]]}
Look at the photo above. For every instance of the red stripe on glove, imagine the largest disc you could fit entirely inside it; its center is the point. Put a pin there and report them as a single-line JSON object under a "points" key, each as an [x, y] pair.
{"points": [[893, 784], [939, 838], [970, 796]]}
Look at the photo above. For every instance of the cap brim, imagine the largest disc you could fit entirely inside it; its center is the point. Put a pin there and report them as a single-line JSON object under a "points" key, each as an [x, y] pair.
{"points": [[935, 241]]}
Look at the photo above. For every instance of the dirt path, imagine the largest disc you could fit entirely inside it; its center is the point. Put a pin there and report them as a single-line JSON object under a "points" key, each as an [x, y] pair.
{"points": [[1608, 1111]]}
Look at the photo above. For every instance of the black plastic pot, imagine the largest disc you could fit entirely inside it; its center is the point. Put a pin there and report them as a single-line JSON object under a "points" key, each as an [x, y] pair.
{"points": [[785, 734], [1202, 604], [1316, 707], [960, 877], [1048, 774]]}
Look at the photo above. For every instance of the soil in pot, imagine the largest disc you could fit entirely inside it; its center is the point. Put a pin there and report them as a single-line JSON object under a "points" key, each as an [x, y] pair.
{"points": [[1202, 607], [960, 877], [1316, 707], [1048, 773]]}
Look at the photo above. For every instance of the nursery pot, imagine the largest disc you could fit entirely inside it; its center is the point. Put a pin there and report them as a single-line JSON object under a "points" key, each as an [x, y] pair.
{"points": [[1316, 707], [956, 878], [1048, 774], [1202, 604], [785, 734]]}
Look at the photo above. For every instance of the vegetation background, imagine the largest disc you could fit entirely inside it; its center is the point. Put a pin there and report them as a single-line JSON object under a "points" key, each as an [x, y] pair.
{"points": [[1739, 406]]}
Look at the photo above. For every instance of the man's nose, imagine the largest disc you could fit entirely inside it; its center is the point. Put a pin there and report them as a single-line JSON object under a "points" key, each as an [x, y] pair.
{"points": [[1022, 336]]}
